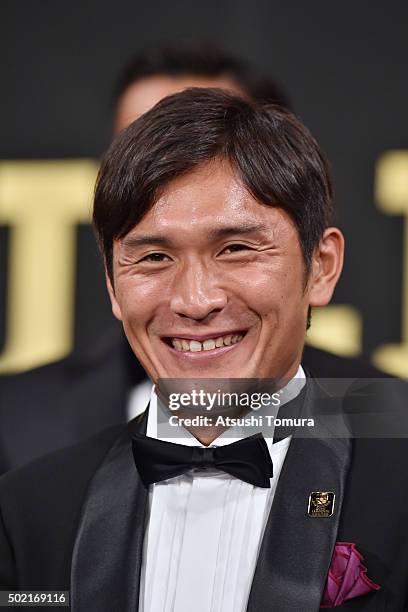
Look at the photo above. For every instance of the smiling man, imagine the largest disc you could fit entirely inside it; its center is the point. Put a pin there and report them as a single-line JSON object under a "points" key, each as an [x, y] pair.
{"points": [[211, 283], [236, 247], [213, 215]]}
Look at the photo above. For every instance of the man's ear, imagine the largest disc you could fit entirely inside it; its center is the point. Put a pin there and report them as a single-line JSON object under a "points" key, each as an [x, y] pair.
{"points": [[115, 305], [327, 265]]}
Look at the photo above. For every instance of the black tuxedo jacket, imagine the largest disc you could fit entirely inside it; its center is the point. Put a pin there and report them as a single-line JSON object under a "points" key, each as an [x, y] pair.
{"points": [[65, 402], [75, 520]]}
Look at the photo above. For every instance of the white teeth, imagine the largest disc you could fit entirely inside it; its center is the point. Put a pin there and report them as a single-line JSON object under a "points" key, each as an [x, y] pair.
{"points": [[194, 346], [208, 345]]}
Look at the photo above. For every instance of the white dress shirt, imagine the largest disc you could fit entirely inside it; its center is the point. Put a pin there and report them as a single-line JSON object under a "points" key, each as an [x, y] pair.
{"points": [[204, 531]]}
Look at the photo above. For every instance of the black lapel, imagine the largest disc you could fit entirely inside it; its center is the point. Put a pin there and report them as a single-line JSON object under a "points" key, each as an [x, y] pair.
{"points": [[107, 556], [296, 549]]}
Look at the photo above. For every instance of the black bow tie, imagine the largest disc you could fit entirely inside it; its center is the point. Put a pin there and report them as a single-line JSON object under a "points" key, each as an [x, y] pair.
{"points": [[247, 459]]}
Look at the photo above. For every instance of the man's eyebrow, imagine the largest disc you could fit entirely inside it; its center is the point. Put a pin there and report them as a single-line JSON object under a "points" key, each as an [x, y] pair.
{"points": [[231, 230], [135, 241], [215, 232]]}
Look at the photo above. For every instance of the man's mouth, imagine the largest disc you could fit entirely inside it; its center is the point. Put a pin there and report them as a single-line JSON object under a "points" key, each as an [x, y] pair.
{"points": [[196, 345]]}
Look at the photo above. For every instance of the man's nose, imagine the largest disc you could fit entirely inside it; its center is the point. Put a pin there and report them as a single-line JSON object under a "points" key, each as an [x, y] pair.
{"points": [[195, 293]]}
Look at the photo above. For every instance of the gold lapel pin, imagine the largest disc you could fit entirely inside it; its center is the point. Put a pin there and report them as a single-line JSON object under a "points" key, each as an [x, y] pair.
{"points": [[321, 504]]}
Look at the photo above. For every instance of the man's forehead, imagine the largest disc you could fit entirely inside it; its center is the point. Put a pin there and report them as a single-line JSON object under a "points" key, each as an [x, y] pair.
{"points": [[210, 202], [211, 189]]}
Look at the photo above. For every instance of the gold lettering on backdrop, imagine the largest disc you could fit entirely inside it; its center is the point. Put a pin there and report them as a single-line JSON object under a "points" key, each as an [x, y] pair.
{"points": [[41, 202], [337, 329], [391, 192]]}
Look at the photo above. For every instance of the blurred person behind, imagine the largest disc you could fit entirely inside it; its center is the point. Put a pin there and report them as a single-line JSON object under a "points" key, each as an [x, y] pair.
{"points": [[67, 401], [162, 71]]}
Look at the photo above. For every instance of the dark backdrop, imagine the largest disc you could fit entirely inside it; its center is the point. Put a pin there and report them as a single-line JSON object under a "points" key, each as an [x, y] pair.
{"points": [[344, 64]]}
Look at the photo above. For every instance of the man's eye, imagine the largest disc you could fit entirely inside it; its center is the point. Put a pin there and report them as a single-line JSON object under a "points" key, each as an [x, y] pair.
{"points": [[155, 258], [234, 248]]}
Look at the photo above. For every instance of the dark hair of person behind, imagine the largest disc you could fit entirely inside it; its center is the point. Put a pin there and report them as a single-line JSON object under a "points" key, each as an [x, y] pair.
{"points": [[276, 157], [200, 59]]}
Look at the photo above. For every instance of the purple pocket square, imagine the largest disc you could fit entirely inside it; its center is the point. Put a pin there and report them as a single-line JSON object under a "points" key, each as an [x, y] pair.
{"points": [[347, 577]]}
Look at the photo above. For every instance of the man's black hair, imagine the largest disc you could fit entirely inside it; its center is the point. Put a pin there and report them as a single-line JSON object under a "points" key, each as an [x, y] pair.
{"points": [[272, 152], [204, 60]]}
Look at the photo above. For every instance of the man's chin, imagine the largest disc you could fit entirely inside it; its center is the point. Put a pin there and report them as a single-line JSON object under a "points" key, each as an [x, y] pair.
{"points": [[209, 370]]}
